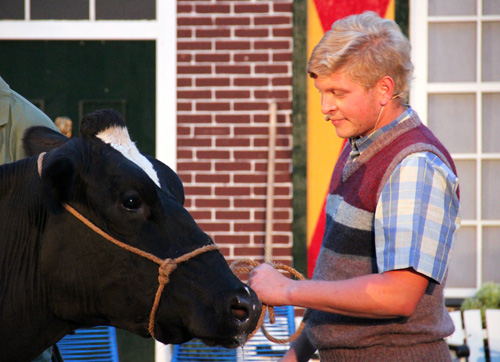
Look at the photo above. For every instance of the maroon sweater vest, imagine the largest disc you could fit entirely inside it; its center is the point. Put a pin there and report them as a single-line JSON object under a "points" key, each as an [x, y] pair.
{"points": [[348, 248]]}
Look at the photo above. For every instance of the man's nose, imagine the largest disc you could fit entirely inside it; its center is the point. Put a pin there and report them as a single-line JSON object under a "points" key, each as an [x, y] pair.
{"points": [[327, 105]]}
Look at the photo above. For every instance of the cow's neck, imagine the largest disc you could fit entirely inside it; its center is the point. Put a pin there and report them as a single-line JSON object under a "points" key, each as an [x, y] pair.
{"points": [[25, 304]]}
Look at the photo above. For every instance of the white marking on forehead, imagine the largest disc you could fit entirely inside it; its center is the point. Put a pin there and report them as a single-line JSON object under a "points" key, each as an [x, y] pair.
{"points": [[119, 139]]}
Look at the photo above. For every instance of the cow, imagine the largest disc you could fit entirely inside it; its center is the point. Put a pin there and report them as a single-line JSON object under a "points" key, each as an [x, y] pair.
{"points": [[58, 274]]}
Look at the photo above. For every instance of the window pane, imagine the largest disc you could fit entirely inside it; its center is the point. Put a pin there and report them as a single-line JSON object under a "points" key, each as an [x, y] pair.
{"points": [[13, 9], [462, 270], [452, 7], [491, 122], [467, 180], [59, 9], [452, 52], [125, 10], [491, 253], [491, 7], [452, 119], [490, 191], [491, 51]]}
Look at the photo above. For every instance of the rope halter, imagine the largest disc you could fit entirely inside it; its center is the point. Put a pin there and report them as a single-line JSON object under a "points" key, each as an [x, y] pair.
{"points": [[167, 266]]}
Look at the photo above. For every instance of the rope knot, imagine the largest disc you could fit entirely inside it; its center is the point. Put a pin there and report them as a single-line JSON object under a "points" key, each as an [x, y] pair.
{"points": [[166, 267]]}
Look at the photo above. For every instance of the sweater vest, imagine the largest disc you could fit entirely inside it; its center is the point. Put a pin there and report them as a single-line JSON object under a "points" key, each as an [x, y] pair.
{"points": [[348, 247]]}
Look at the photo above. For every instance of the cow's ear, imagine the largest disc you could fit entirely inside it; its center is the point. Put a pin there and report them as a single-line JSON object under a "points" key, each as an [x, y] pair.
{"points": [[40, 139], [58, 173]]}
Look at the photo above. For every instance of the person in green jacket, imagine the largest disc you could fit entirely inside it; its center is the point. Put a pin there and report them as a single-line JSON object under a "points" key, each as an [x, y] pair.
{"points": [[17, 114]]}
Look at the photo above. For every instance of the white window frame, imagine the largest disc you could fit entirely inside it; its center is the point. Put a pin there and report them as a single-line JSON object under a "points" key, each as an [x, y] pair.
{"points": [[163, 31], [421, 88]]}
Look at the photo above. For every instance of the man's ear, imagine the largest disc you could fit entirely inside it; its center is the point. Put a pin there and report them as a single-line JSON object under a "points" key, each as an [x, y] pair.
{"points": [[385, 88]]}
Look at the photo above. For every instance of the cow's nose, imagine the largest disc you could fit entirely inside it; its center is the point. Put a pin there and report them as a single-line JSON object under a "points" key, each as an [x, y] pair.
{"points": [[245, 308]]}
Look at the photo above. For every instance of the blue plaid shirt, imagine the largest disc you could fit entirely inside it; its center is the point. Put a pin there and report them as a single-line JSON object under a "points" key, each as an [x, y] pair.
{"points": [[418, 212]]}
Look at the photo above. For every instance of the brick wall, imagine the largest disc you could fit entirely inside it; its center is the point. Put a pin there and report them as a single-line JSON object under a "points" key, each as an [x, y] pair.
{"points": [[234, 57]]}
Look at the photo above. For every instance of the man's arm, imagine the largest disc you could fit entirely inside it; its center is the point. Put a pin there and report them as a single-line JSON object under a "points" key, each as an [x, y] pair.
{"points": [[387, 295]]}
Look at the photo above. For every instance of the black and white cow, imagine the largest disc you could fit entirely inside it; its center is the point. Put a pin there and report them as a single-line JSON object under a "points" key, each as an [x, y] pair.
{"points": [[56, 274]]}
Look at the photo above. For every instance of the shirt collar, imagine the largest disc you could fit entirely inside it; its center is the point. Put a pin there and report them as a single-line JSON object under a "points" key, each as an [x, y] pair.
{"points": [[360, 144]]}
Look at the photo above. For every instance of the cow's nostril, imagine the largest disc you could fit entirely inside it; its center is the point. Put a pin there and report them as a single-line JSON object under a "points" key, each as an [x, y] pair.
{"points": [[239, 310]]}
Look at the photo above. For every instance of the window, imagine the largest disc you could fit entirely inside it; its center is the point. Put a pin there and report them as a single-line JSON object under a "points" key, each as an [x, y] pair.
{"points": [[456, 90]]}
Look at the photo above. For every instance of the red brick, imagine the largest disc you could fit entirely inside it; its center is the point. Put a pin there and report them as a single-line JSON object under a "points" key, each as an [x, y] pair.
{"points": [[194, 45], [250, 179], [212, 82], [282, 57], [214, 226], [251, 8], [233, 166], [184, 8], [194, 69], [282, 32], [272, 44], [193, 166], [282, 81], [232, 69], [251, 33], [232, 45], [246, 131], [193, 142], [232, 191], [182, 131], [250, 155], [251, 82], [254, 202], [194, 21], [232, 239], [231, 94], [194, 94], [232, 142], [233, 20], [183, 106], [183, 154], [194, 118], [184, 82], [184, 58], [212, 178], [247, 227], [211, 131], [212, 57], [271, 69], [213, 33], [250, 106], [212, 203], [213, 106], [251, 57], [201, 215], [184, 33], [232, 118], [279, 7], [213, 155], [232, 215], [272, 20], [274, 94], [197, 190], [212, 9]]}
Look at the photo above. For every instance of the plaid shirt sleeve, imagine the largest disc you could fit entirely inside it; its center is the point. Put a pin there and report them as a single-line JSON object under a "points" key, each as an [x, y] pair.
{"points": [[417, 217]]}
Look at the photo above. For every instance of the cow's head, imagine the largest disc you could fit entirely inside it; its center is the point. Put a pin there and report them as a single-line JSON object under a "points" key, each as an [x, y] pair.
{"points": [[139, 201]]}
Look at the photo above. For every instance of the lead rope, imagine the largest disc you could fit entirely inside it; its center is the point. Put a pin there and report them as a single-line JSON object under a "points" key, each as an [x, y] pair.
{"points": [[167, 266], [247, 265]]}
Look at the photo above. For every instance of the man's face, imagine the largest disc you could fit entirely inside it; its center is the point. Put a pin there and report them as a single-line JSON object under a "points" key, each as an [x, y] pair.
{"points": [[351, 108]]}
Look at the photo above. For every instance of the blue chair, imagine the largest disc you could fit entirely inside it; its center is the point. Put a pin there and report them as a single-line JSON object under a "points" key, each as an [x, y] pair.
{"points": [[97, 344], [259, 348]]}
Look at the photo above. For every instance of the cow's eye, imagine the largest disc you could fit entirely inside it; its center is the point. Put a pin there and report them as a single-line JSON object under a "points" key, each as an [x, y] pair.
{"points": [[131, 202]]}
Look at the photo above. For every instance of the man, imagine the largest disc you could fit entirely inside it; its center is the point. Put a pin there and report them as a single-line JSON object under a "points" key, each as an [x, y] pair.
{"points": [[392, 211], [16, 115]]}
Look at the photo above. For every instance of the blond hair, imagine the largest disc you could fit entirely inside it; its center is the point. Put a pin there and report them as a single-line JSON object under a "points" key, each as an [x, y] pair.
{"points": [[367, 48]]}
